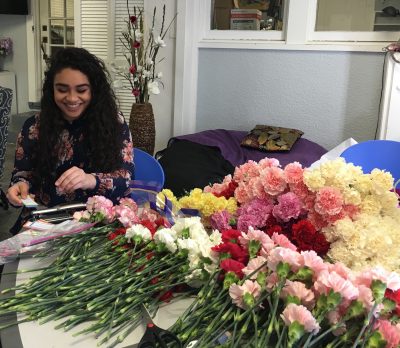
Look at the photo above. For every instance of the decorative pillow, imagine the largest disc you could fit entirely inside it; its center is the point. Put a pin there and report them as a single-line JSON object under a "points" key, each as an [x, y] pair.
{"points": [[270, 138]]}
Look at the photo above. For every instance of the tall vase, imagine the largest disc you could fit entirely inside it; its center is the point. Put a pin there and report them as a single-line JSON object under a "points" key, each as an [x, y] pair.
{"points": [[142, 126]]}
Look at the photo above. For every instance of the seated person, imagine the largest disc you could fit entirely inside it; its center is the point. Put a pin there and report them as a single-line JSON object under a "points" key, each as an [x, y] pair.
{"points": [[78, 145]]}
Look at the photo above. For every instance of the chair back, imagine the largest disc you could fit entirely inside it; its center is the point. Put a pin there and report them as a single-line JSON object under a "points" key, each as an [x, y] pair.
{"points": [[147, 168], [6, 95], [381, 154]]}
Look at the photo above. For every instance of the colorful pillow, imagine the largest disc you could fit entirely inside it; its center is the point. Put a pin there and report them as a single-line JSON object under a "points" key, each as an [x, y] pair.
{"points": [[270, 138]]}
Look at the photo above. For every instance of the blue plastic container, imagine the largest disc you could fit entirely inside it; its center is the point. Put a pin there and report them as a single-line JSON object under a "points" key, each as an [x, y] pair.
{"points": [[381, 154]]}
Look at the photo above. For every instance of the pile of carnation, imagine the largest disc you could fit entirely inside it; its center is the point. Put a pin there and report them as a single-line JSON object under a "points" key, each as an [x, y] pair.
{"points": [[334, 209]]}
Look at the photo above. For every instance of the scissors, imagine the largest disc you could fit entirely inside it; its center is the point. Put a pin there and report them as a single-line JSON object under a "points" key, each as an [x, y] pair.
{"points": [[154, 336]]}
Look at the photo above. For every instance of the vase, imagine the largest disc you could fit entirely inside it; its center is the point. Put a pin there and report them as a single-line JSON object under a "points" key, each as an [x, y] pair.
{"points": [[142, 127]]}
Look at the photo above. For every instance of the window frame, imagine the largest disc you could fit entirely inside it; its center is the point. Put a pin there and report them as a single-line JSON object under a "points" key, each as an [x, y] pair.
{"points": [[298, 33]]}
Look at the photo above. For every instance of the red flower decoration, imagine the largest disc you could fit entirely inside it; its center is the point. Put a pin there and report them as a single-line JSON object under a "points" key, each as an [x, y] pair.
{"points": [[133, 19], [136, 44], [166, 296], [306, 237], [149, 255], [274, 229], [132, 69], [135, 92], [229, 191], [236, 252], [230, 235], [395, 297], [229, 265], [150, 225]]}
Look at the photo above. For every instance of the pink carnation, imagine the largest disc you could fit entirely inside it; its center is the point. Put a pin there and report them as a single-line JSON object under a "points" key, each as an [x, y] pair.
{"points": [[280, 254], [246, 171], [391, 279], [288, 207], [268, 162], [293, 173], [255, 264], [238, 291], [273, 180], [130, 203], [258, 235], [102, 205], [389, 332], [329, 201], [327, 281], [311, 260], [302, 315], [299, 290], [242, 193], [220, 220], [283, 241], [126, 215]]}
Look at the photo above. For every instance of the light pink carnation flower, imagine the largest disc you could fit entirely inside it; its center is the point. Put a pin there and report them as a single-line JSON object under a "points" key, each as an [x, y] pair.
{"points": [[293, 173], [130, 203], [238, 291], [311, 260], [273, 180], [289, 256], [390, 333], [100, 204], [217, 188], [299, 289], [288, 207], [271, 281], [126, 215], [302, 315], [254, 264], [391, 279], [242, 193], [329, 201], [283, 241], [246, 171], [268, 162], [258, 235], [327, 281]]}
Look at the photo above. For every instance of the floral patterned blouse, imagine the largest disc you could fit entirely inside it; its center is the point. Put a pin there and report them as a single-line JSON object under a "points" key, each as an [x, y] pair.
{"points": [[73, 152]]}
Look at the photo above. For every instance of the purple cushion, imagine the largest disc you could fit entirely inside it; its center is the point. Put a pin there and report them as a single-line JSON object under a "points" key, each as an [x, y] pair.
{"points": [[303, 151]]}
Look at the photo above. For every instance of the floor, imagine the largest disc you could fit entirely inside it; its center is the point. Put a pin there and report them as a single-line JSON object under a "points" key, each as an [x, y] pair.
{"points": [[8, 217]]}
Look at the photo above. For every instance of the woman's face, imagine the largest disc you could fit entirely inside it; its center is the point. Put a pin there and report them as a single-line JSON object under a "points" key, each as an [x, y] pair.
{"points": [[72, 93]]}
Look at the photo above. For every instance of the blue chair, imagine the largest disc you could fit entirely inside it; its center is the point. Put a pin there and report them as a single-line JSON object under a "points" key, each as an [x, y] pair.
{"points": [[147, 168], [381, 154]]}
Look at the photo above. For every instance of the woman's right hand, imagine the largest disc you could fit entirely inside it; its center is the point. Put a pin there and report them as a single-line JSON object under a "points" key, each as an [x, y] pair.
{"points": [[16, 192]]}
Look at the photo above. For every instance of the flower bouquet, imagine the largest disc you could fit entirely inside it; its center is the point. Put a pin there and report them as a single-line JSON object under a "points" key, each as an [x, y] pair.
{"points": [[102, 275], [141, 47], [267, 294], [6, 46]]}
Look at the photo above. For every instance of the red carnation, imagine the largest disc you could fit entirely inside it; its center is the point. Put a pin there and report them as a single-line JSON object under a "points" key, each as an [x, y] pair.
{"points": [[150, 225], [306, 237], [234, 250], [231, 235], [166, 296], [395, 297], [229, 191], [149, 255], [274, 229], [229, 265], [154, 280]]}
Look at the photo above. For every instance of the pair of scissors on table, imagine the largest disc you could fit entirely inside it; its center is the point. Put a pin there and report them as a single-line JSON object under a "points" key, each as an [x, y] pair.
{"points": [[154, 336]]}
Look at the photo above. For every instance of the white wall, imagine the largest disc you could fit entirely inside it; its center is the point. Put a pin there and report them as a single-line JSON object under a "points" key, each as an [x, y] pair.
{"points": [[14, 26], [331, 96]]}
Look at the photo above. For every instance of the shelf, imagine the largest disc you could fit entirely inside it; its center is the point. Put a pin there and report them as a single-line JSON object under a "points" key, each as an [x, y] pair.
{"points": [[382, 19]]}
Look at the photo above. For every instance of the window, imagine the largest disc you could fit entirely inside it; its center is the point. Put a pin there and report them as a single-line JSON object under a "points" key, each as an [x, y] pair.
{"points": [[307, 24]]}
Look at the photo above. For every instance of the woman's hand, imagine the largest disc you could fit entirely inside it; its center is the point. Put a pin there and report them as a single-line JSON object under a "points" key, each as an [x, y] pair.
{"points": [[16, 192], [75, 178]]}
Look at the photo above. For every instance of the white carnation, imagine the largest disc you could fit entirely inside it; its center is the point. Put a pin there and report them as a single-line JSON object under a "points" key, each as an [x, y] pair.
{"points": [[168, 237], [138, 230]]}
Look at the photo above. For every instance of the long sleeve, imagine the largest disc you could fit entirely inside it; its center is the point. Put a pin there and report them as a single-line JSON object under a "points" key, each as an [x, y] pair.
{"points": [[115, 185], [25, 143]]}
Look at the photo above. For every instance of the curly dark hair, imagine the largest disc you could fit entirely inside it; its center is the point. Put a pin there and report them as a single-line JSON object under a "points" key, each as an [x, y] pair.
{"points": [[102, 127]]}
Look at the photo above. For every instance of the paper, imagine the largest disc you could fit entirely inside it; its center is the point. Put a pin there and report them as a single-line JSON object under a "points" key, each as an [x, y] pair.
{"points": [[29, 202], [335, 152]]}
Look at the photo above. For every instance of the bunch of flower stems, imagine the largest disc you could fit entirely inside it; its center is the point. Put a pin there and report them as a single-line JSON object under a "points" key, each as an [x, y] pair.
{"points": [[212, 320], [93, 280]]}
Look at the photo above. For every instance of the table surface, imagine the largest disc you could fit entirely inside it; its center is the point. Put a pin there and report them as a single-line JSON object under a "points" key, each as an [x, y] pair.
{"points": [[34, 335]]}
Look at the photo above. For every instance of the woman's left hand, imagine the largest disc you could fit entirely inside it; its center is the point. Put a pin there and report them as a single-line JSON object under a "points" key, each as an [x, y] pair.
{"points": [[75, 178]]}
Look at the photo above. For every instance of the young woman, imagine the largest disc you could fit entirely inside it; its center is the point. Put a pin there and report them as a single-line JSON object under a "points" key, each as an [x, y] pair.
{"points": [[78, 145]]}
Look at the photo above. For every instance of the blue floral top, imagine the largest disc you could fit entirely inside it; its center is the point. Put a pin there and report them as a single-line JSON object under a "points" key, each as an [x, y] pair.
{"points": [[72, 152]]}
